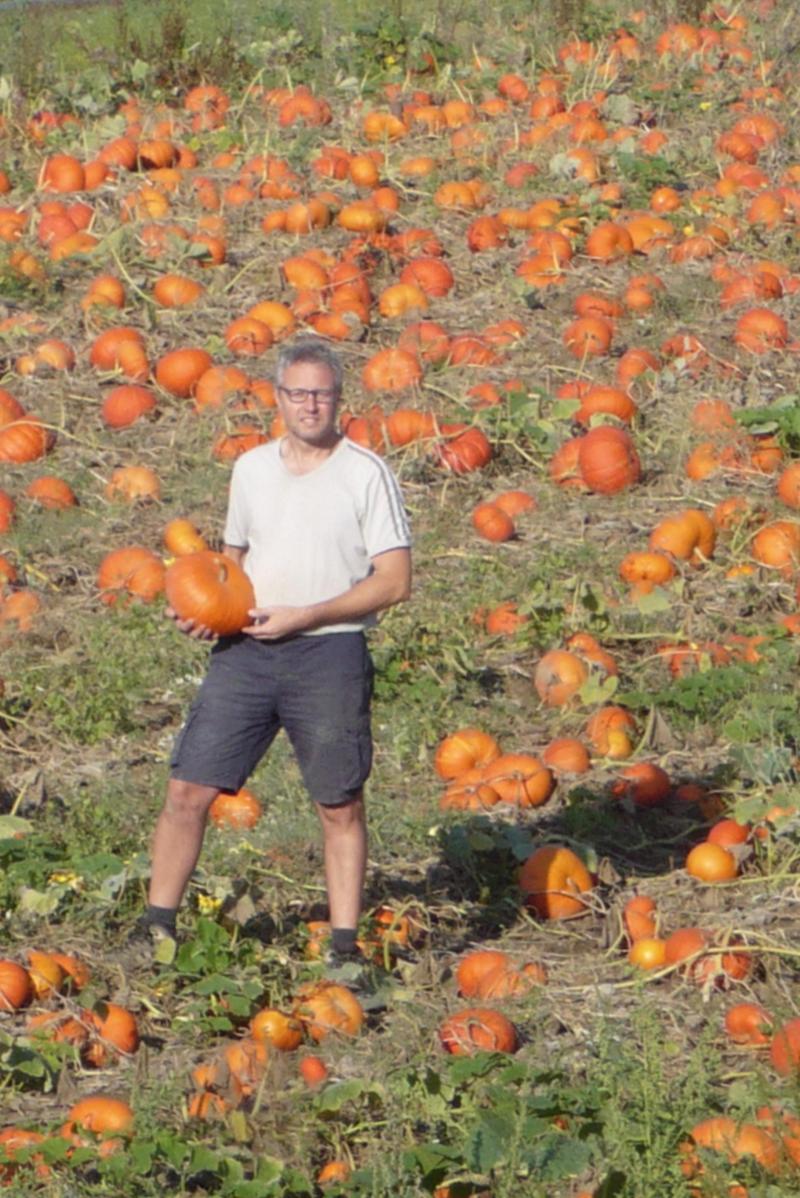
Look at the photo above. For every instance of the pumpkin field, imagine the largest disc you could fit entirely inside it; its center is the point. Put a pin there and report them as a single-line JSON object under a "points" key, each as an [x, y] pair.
{"points": [[558, 249]]}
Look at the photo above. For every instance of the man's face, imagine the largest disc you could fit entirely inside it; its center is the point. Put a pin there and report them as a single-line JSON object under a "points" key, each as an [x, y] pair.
{"points": [[312, 418]]}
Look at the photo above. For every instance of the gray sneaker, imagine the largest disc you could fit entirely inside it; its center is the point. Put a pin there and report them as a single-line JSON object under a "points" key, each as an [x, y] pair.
{"points": [[154, 943], [371, 985]]}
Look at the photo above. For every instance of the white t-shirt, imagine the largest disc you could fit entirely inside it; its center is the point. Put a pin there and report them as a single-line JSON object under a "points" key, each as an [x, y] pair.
{"points": [[311, 537]]}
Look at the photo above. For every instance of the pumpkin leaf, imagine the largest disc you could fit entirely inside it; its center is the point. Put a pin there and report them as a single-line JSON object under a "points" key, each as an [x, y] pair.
{"points": [[597, 690], [40, 902], [13, 826], [564, 409], [238, 1127], [338, 1094], [657, 600], [488, 1144], [433, 1160], [557, 1157]]}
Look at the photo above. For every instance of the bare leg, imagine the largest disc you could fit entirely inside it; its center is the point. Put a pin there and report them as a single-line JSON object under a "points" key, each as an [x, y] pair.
{"points": [[344, 832], [177, 840]]}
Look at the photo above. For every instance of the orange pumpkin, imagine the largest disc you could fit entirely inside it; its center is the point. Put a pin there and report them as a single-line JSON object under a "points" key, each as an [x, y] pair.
{"points": [[210, 589], [181, 537], [645, 784], [566, 755], [239, 810], [610, 731], [325, 1007], [180, 370], [552, 881], [467, 749], [115, 1026], [749, 1024], [126, 404], [132, 483], [16, 989], [477, 1029], [132, 570], [391, 370], [492, 522], [784, 1052], [608, 461], [475, 966], [25, 440], [466, 451], [710, 862], [559, 676], [520, 778], [51, 492], [276, 1029], [588, 336]]}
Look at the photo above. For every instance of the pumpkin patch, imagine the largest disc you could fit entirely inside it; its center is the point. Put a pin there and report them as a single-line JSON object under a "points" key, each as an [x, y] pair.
{"points": [[555, 247]]}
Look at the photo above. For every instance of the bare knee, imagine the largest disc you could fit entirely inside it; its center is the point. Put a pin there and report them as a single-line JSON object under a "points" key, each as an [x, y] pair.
{"points": [[188, 801], [342, 817]]}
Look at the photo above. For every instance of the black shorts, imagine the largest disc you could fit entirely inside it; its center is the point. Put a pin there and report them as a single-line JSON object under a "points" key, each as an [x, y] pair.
{"points": [[317, 688]]}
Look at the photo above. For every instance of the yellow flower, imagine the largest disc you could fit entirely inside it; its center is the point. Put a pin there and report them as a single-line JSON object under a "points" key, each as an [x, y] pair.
{"points": [[63, 877], [207, 904]]}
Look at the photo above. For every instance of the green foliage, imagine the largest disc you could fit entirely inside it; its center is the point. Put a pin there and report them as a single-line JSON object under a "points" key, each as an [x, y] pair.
{"points": [[218, 975], [647, 1087], [110, 681], [723, 696], [645, 173], [780, 418], [28, 1066]]}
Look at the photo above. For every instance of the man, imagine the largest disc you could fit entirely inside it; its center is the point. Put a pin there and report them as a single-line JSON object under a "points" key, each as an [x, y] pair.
{"points": [[319, 526]]}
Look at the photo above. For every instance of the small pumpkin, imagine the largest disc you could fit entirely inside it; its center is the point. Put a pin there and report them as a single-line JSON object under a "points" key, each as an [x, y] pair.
{"points": [[16, 989], [180, 370], [559, 676], [125, 404], [133, 570], [553, 881], [520, 779], [239, 810], [325, 1007], [477, 1029], [467, 749], [25, 440], [608, 461], [468, 450], [492, 522], [133, 482], [181, 537]]}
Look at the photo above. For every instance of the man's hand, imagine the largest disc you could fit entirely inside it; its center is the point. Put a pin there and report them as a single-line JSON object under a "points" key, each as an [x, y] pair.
{"points": [[198, 632], [273, 623]]}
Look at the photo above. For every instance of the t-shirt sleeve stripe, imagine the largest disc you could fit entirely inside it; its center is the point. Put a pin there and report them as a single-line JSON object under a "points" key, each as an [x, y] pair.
{"points": [[394, 498]]}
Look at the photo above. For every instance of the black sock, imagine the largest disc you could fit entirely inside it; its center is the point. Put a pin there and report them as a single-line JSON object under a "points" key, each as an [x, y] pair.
{"points": [[165, 917], [344, 940]]}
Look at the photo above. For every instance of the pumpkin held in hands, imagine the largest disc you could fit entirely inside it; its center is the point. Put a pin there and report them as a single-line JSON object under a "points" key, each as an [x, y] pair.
{"points": [[210, 589]]}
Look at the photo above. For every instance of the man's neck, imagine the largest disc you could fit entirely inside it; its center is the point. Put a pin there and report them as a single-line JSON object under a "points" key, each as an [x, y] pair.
{"points": [[300, 458]]}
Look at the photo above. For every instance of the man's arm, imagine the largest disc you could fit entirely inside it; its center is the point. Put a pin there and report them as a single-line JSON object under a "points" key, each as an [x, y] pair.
{"points": [[389, 583]]}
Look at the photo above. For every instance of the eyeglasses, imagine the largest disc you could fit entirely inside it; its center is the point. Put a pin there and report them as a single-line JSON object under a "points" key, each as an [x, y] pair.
{"points": [[323, 395]]}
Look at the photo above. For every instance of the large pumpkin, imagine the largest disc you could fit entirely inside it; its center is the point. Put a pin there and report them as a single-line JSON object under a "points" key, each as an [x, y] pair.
{"points": [[210, 589]]}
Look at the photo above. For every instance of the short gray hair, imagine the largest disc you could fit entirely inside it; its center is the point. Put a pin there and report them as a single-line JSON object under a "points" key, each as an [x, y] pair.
{"points": [[310, 349]]}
